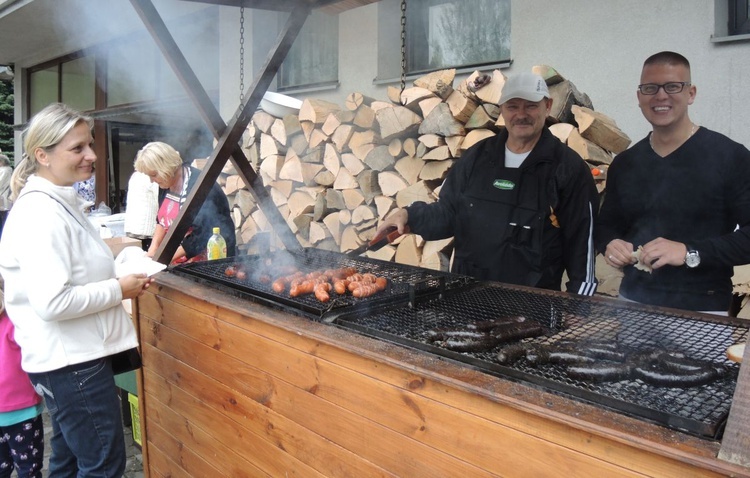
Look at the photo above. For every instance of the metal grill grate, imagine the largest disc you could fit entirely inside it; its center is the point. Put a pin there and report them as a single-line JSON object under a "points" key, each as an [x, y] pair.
{"points": [[405, 282], [699, 410]]}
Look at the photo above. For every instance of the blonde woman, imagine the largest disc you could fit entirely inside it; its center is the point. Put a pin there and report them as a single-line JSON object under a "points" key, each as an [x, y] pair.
{"points": [[63, 298], [164, 166]]}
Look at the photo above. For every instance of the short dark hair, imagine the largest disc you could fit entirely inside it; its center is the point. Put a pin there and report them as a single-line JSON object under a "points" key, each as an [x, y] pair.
{"points": [[667, 58]]}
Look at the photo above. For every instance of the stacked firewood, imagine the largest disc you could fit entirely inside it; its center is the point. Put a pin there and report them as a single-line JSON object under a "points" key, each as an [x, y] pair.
{"points": [[336, 171]]}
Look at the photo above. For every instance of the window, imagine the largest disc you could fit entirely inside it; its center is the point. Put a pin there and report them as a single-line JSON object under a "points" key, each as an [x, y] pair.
{"points": [[43, 87], [443, 34], [78, 83], [313, 59], [739, 17]]}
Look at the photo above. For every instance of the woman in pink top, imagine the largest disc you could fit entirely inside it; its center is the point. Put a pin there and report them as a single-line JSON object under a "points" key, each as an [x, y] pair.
{"points": [[21, 429]]}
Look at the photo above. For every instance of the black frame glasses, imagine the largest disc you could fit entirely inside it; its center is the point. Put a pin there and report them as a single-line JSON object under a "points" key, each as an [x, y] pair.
{"points": [[671, 87]]}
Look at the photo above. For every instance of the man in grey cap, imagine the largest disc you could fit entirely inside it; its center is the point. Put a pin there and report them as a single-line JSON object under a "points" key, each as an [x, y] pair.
{"points": [[521, 205]]}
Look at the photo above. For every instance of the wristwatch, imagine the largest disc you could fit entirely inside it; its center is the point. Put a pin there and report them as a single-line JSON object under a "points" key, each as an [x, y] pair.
{"points": [[692, 258]]}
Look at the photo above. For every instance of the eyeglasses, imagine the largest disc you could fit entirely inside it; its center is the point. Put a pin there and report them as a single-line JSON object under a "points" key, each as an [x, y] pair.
{"points": [[672, 88]]}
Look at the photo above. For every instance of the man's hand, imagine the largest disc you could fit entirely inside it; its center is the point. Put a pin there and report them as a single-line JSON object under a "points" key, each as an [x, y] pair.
{"points": [[619, 253], [662, 252], [399, 218]]}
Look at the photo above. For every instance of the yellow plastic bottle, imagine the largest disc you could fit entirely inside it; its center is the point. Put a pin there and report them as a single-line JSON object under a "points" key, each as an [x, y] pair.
{"points": [[217, 246]]}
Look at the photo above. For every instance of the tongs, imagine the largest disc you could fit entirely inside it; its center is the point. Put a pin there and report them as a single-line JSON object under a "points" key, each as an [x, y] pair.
{"points": [[387, 236]]}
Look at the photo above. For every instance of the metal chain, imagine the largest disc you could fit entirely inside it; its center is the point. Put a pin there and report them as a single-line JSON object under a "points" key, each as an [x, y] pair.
{"points": [[242, 53], [403, 48]]}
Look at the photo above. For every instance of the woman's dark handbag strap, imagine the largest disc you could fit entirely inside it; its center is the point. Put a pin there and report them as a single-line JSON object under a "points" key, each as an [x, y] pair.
{"points": [[126, 361]]}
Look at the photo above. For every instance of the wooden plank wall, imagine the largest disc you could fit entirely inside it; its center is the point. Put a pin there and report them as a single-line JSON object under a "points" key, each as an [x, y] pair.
{"points": [[226, 394]]}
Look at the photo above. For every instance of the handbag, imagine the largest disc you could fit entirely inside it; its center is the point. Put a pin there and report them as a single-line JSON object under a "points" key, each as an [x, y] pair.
{"points": [[126, 361]]}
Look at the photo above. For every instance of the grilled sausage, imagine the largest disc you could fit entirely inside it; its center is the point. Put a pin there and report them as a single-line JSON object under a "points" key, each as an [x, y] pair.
{"points": [[601, 372]]}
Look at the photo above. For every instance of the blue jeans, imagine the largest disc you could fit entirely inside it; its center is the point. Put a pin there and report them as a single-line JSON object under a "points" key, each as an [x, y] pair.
{"points": [[84, 408]]}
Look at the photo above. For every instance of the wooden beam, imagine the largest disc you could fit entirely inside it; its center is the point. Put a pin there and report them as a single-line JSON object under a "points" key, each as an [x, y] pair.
{"points": [[224, 149]]}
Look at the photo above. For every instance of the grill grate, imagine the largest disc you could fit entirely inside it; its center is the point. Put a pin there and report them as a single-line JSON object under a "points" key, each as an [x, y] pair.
{"points": [[698, 410], [405, 282]]}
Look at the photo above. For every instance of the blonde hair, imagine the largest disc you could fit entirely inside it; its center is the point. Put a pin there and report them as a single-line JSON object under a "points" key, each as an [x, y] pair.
{"points": [[159, 158], [46, 129]]}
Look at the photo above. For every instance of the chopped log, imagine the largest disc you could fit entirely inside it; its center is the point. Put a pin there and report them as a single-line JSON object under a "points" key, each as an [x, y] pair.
{"points": [[272, 165], [368, 184], [362, 213], [438, 82], [278, 197], [334, 226], [440, 153], [432, 140], [234, 183], [260, 219], [366, 229], [364, 117], [309, 173], [410, 146], [313, 155], [391, 183], [419, 191], [562, 131], [397, 122], [385, 253], [270, 147], [362, 142], [330, 124], [352, 163], [299, 142], [316, 110], [601, 129], [278, 131], [384, 205], [349, 239], [291, 125], [475, 136], [345, 217], [353, 198], [331, 159], [409, 167], [300, 203], [292, 168], [564, 96], [321, 210], [490, 93], [588, 150], [307, 128], [380, 159], [436, 261], [483, 117], [286, 187], [379, 105], [252, 133], [441, 122], [318, 233], [407, 251], [454, 145], [317, 137], [355, 100], [302, 223], [335, 199], [435, 170], [461, 107], [500, 123], [245, 202], [248, 230], [344, 180], [394, 94], [395, 147], [411, 97], [440, 245], [428, 104], [341, 137], [263, 121], [550, 75]]}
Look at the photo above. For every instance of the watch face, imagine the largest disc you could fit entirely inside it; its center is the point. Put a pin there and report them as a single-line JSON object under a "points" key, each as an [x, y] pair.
{"points": [[692, 259]]}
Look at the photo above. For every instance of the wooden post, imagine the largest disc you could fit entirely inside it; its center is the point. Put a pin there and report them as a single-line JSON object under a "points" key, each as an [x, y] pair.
{"points": [[735, 446]]}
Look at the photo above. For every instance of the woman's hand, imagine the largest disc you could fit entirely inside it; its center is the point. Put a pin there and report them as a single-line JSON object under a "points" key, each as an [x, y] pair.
{"points": [[133, 285]]}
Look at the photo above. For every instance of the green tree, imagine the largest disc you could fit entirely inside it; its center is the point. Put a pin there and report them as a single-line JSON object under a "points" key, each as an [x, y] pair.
{"points": [[6, 118]]}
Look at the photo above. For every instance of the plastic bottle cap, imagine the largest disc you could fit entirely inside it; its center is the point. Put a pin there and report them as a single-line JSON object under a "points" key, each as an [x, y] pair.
{"points": [[217, 230]]}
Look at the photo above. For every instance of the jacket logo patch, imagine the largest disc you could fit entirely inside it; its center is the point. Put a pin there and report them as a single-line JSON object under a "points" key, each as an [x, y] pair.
{"points": [[504, 184]]}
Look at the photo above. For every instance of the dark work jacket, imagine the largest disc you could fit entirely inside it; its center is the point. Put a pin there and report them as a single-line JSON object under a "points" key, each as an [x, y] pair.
{"points": [[517, 225], [213, 213]]}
